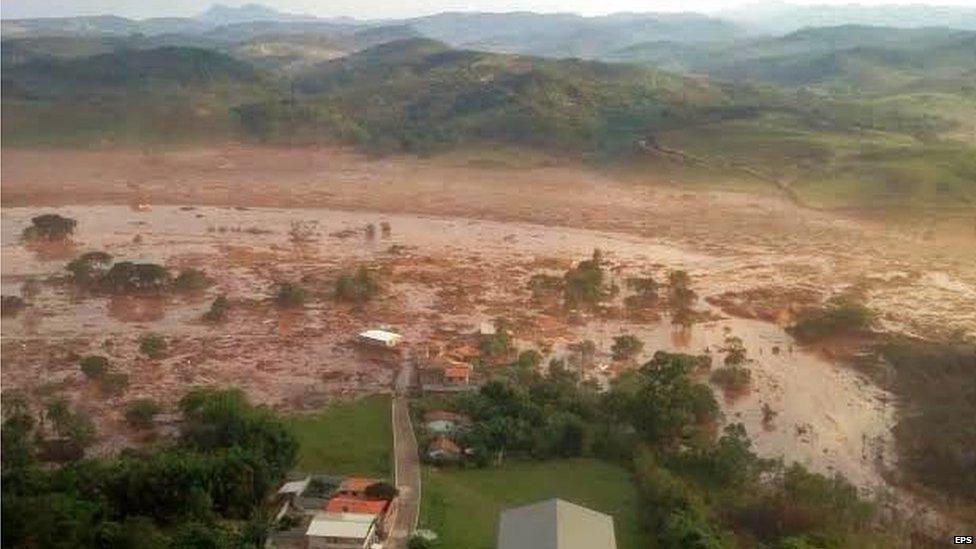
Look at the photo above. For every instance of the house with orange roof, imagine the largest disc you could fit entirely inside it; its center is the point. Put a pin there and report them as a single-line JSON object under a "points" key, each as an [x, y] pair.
{"points": [[457, 373], [348, 504]]}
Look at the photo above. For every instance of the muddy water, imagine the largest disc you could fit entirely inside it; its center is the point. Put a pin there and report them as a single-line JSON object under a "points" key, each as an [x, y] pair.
{"points": [[827, 417]]}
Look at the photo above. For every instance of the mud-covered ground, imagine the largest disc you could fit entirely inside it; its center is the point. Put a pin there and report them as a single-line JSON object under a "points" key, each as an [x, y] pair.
{"points": [[464, 241]]}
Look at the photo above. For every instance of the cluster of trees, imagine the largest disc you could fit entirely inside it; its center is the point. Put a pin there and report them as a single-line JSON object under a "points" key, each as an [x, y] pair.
{"points": [[842, 314], [97, 368], [96, 271], [937, 383], [734, 375], [697, 489], [205, 491], [50, 227]]}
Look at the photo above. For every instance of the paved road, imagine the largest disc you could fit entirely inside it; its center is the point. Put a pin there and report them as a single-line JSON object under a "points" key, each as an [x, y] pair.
{"points": [[407, 463]]}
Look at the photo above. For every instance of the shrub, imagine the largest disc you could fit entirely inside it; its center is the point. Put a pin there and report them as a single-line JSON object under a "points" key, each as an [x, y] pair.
{"points": [[732, 377], [114, 383], [584, 283], [626, 347], [357, 288], [290, 295], [140, 412], [218, 309], [89, 266], [152, 345], [11, 305], [381, 490], [94, 366], [191, 279], [841, 315], [126, 276], [50, 227]]}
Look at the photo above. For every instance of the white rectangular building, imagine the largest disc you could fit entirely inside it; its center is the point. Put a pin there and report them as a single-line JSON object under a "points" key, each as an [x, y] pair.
{"points": [[380, 338], [341, 531]]}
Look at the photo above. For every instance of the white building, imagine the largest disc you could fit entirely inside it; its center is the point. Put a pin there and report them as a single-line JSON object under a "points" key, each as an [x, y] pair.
{"points": [[555, 524], [341, 531]]}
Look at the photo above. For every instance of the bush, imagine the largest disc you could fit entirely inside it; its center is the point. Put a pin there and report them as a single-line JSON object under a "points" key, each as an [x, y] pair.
{"points": [[626, 347], [89, 267], [218, 309], [94, 366], [12, 305], [841, 315], [152, 345], [191, 279], [357, 288], [583, 284], [114, 383], [381, 490], [290, 295], [50, 227], [141, 412], [731, 377], [126, 276]]}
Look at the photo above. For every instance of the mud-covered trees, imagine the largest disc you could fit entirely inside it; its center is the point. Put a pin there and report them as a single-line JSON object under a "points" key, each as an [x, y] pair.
{"points": [[841, 315], [89, 267], [127, 276], [50, 227], [191, 279], [584, 283], [358, 287], [218, 309], [94, 366], [290, 295], [681, 298], [626, 347], [152, 345], [140, 412]]}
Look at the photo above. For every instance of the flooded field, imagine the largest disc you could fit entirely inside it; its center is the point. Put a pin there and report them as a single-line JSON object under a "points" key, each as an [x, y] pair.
{"points": [[438, 274]]}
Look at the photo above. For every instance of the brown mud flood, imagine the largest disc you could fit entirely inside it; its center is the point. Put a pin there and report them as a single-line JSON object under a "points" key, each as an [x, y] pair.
{"points": [[440, 276]]}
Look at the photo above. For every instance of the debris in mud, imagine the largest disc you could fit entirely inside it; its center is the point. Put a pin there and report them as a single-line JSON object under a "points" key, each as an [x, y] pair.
{"points": [[772, 304]]}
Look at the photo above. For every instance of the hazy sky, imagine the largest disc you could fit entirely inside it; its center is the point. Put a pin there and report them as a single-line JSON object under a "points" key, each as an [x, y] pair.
{"points": [[380, 9]]}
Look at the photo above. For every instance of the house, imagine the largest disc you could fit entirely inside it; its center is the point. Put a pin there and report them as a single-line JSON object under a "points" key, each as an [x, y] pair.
{"points": [[348, 504], [442, 422], [457, 373], [443, 449], [355, 487], [341, 531], [380, 338], [555, 524]]}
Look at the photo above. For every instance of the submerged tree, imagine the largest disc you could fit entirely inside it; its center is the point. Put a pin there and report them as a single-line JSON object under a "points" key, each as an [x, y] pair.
{"points": [[51, 227]]}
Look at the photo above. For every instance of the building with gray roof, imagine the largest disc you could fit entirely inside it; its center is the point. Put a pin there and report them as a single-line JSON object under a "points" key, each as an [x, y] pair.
{"points": [[555, 524]]}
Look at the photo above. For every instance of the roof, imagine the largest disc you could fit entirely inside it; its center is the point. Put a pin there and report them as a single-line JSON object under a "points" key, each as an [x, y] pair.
{"points": [[555, 524], [356, 484], [443, 444], [296, 487], [341, 525], [346, 504], [465, 351], [381, 335], [457, 369]]}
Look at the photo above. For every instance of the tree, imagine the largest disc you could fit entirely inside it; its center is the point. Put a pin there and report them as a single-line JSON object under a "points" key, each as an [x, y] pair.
{"points": [[152, 345], [113, 383], [51, 227], [841, 315], [290, 295], [381, 490], [583, 284], [94, 366], [12, 305], [218, 309], [356, 288], [626, 347], [127, 276], [89, 267], [735, 351], [140, 412], [16, 443]]}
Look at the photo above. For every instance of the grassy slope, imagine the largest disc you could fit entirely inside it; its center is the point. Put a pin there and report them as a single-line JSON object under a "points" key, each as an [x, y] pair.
{"points": [[462, 506], [346, 438]]}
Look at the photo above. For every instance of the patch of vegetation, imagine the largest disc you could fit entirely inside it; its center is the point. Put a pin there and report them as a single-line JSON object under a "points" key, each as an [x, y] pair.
{"points": [[346, 438], [681, 298], [94, 366], [113, 383], [626, 347], [206, 490], [290, 295], [50, 227], [140, 412], [583, 284], [842, 315], [937, 383], [126, 276], [12, 305], [152, 345], [218, 309], [89, 267], [357, 288], [733, 378], [498, 345], [191, 279]]}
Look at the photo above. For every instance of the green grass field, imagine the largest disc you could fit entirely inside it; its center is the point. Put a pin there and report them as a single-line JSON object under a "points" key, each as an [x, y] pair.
{"points": [[462, 506], [347, 438]]}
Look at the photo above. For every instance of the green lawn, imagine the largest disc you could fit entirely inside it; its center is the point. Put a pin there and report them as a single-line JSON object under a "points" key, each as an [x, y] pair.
{"points": [[351, 438], [462, 506]]}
